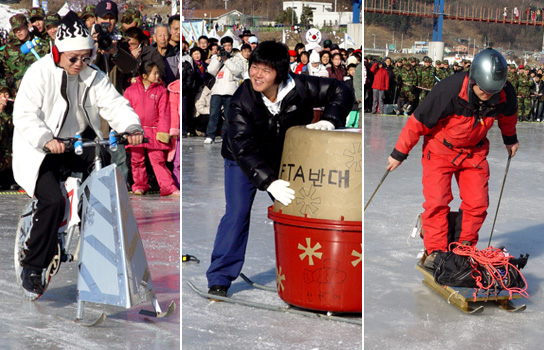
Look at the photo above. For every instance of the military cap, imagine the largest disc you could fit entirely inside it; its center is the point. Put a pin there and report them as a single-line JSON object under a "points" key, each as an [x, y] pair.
{"points": [[512, 66], [36, 13], [413, 59], [17, 21], [52, 19], [428, 59], [456, 64], [437, 62], [88, 11], [407, 63]]}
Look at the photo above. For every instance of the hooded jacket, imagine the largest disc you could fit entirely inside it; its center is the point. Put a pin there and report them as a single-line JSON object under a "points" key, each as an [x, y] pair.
{"points": [[254, 137], [41, 107]]}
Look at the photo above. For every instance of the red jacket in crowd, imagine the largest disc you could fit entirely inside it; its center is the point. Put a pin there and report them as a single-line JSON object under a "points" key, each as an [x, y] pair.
{"points": [[381, 78]]}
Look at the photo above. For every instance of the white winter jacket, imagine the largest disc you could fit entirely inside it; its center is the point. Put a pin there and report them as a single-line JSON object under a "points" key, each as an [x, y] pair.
{"points": [[41, 107], [227, 75]]}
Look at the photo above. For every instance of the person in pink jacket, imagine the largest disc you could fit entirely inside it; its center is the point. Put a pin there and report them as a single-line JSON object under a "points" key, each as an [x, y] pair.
{"points": [[149, 99], [174, 90]]}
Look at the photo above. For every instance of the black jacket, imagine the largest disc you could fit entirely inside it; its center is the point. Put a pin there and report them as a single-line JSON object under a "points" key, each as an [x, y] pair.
{"points": [[255, 137]]}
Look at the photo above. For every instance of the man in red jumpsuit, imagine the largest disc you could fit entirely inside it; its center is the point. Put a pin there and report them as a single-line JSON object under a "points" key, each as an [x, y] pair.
{"points": [[454, 120]]}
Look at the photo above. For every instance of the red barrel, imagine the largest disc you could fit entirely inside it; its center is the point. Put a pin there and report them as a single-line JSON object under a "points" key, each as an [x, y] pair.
{"points": [[318, 262]]}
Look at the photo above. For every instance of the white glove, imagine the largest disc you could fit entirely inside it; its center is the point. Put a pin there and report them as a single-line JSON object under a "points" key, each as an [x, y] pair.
{"points": [[321, 125], [280, 190]]}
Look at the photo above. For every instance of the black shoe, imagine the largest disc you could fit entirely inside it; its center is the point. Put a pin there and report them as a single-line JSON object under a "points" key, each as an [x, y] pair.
{"points": [[429, 260], [32, 281], [220, 291]]}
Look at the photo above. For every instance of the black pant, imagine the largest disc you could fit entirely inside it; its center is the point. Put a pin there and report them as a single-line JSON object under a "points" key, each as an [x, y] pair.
{"points": [[42, 244]]}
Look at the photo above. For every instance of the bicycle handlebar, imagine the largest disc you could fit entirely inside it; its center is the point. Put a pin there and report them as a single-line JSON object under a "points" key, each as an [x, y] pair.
{"points": [[70, 141]]}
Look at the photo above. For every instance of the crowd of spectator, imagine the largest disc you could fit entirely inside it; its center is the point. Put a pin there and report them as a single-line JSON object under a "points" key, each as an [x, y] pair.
{"points": [[405, 83], [213, 69], [141, 56]]}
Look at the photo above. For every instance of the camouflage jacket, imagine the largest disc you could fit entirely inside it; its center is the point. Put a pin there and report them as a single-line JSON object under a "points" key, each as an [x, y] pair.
{"points": [[15, 63], [525, 83], [427, 79], [512, 77], [408, 79], [442, 74]]}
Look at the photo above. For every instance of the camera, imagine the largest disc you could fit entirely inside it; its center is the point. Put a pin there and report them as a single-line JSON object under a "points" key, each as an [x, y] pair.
{"points": [[223, 53], [105, 38]]}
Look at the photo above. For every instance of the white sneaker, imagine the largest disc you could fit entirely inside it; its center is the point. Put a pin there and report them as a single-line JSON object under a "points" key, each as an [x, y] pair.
{"points": [[208, 140]]}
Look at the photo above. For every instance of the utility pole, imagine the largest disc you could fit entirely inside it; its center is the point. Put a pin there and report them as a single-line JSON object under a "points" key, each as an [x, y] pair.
{"points": [[225, 3], [374, 35]]}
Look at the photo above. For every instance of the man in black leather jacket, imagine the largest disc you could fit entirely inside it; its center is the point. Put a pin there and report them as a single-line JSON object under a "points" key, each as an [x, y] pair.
{"points": [[261, 111]]}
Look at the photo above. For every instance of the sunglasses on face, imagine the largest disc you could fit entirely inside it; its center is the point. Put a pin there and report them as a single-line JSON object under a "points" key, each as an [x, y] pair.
{"points": [[85, 60]]}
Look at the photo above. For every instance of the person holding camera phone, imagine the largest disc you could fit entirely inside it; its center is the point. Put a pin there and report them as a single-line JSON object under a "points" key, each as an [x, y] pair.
{"points": [[227, 70]]}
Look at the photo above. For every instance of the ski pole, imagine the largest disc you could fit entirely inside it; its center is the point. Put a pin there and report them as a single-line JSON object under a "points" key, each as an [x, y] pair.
{"points": [[500, 196], [376, 190]]}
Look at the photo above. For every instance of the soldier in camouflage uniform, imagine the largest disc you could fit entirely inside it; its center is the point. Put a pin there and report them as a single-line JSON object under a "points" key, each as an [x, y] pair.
{"points": [[6, 136], [407, 81], [133, 18], [88, 17], [417, 68], [427, 79], [512, 76], [525, 84], [15, 63], [37, 19], [52, 22], [457, 68], [441, 72]]}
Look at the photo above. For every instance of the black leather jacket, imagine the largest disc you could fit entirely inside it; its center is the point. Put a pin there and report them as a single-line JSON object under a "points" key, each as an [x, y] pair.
{"points": [[255, 137]]}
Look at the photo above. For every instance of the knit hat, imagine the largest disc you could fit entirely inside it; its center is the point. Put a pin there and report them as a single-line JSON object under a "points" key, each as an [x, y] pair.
{"points": [[253, 40], [314, 57], [352, 60], [72, 34], [292, 53]]}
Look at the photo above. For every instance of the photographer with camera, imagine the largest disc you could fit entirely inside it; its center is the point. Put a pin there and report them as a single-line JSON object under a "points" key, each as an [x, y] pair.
{"points": [[114, 57], [227, 70]]}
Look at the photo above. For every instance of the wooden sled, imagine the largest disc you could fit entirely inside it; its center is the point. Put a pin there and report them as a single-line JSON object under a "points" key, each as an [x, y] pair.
{"points": [[463, 298]]}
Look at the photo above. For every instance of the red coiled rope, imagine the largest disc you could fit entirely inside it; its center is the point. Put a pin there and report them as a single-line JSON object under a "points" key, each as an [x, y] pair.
{"points": [[490, 259]]}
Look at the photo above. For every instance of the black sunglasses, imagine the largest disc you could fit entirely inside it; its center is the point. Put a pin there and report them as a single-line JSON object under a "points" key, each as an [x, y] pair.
{"points": [[85, 60]]}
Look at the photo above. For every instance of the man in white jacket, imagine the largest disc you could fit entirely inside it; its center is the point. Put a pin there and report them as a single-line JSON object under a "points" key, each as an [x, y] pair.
{"points": [[227, 70], [60, 95]]}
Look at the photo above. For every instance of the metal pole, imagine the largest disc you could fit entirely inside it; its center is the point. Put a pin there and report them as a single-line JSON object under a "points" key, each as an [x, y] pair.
{"points": [[500, 196], [376, 190]]}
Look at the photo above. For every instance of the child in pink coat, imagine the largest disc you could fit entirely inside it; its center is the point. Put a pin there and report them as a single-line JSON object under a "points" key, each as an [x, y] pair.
{"points": [[149, 99]]}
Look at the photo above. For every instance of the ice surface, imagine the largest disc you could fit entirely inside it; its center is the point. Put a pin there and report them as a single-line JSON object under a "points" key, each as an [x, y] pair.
{"points": [[48, 323], [207, 325], [402, 313]]}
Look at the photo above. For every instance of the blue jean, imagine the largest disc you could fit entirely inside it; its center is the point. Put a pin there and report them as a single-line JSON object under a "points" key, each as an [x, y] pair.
{"points": [[215, 113], [230, 244]]}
